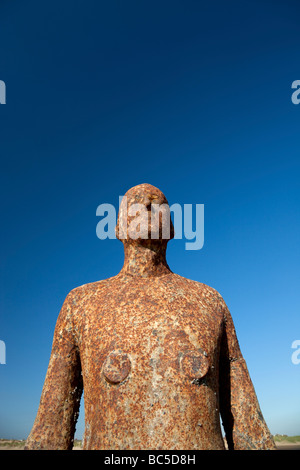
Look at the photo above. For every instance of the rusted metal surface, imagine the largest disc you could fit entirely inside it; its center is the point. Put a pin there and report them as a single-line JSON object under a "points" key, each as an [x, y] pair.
{"points": [[157, 355]]}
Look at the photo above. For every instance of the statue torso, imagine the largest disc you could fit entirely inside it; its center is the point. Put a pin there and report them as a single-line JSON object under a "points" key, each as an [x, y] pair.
{"points": [[149, 351]]}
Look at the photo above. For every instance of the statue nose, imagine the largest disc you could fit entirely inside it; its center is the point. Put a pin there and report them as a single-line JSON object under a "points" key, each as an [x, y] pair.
{"points": [[149, 200]]}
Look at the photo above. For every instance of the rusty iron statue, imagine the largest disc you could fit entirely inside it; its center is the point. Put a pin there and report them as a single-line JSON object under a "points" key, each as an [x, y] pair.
{"points": [[156, 354]]}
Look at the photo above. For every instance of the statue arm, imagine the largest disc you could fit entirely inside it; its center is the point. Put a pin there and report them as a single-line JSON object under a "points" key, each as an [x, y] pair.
{"points": [[54, 426], [242, 419]]}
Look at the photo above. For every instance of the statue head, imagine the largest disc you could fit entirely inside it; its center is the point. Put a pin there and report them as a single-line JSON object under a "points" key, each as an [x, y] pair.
{"points": [[144, 217]]}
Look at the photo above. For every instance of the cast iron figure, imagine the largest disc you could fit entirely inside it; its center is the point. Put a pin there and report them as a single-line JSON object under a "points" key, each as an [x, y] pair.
{"points": [[156, 354]]}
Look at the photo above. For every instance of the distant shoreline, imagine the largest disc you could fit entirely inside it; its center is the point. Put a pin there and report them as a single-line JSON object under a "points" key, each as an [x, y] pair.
{"points": [[282, 442]]}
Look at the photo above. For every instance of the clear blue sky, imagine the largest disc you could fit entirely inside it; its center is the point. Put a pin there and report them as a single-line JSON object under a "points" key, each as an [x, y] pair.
{"points": [[193, 97]]}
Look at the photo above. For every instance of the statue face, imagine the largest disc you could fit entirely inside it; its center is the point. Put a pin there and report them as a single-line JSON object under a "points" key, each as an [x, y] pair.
{"points": [[144, 215]]}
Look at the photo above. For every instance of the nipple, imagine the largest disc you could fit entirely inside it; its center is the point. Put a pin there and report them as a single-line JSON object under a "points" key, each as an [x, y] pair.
{"points": [[116, 367], [195, 364]]}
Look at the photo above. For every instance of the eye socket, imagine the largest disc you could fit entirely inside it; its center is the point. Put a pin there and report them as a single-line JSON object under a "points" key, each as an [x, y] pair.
{"points": [[151, 198]]}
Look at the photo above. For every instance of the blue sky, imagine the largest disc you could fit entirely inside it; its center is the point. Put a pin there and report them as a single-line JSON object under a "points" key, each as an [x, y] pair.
{"points": [[193, 97]]}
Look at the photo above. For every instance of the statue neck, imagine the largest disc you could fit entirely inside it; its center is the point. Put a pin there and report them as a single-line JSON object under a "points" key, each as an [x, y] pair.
{"points": [[147, 260]]}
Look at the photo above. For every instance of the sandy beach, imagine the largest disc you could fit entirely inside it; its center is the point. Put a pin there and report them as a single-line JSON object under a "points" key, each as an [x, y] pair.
{"points": [[9, 444]]}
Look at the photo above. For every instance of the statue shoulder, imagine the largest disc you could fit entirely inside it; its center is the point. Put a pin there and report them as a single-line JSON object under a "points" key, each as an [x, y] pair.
{"points": [[87, 291], [201, 290], [200, 287]]}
